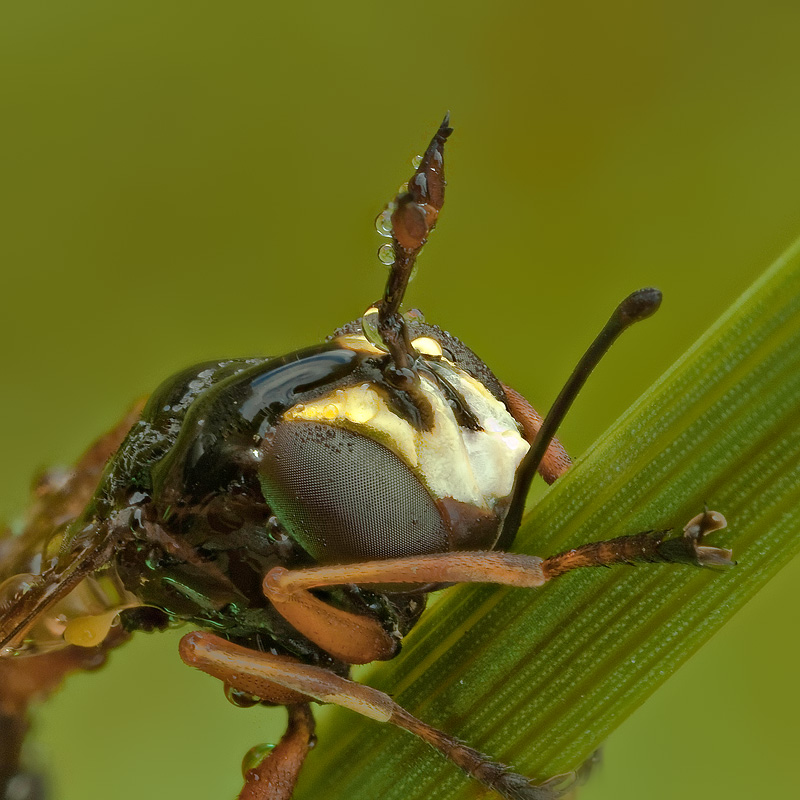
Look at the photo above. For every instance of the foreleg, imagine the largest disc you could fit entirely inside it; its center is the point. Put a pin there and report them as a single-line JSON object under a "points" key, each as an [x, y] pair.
{"points": [[512, 569]]}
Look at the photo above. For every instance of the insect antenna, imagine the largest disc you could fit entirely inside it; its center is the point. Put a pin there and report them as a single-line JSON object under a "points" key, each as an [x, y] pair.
{"points": [[635, 307], [413, 216]]}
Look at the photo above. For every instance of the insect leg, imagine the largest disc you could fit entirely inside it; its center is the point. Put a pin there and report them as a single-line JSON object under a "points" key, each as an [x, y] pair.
{"points": [[513, 569], [556, 460], [352, 638], [647, 547], [482, 566], [274, 777], [253, 672]]}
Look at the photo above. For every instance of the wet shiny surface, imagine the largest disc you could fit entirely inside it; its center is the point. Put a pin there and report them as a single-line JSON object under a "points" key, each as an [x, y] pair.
{"points": [[653, 143]]}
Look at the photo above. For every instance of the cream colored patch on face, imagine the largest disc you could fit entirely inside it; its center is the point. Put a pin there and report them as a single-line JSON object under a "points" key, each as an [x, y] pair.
{"points": [[476, 467], [360, 344], [360, 408], [496, 451]]}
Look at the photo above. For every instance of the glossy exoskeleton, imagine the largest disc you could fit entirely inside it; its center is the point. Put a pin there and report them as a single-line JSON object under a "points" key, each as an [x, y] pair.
{"points": [[372, 469]]}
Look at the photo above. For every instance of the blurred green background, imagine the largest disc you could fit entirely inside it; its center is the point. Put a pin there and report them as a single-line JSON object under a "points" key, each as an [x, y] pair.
{"points": [[182, 181]]}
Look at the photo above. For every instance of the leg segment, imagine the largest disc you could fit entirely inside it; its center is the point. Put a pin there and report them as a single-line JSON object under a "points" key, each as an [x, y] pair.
{"points": [[512, 569], [352, 638], [250, 671], [556, 460], [647, 547], [265, 675], [483, 566], [274, 778]]}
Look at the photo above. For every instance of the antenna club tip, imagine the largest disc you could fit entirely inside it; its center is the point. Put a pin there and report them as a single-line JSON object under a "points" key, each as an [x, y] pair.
{"points": [[640, 305]]}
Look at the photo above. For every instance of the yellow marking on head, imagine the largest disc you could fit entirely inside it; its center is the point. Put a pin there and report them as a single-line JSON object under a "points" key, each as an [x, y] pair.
{"points": [[362, 405], [359, 344], [358, 405]]}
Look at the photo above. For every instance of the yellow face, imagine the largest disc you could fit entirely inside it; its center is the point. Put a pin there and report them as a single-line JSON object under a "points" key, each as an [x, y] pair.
{"points": [[471, 466]]}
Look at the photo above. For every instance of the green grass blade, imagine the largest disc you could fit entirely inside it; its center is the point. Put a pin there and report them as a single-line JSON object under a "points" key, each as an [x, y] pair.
{"points": [[539, 679]]}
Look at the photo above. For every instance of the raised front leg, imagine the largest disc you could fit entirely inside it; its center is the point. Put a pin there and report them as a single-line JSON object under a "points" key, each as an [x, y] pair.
{"points": [[512, 569]]}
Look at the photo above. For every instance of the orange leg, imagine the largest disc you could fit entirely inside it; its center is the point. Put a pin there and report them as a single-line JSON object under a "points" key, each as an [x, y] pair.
{"points": [[556, 460], [274, 778], [512, 569], [268, 676], [352, 638], [254, 672]]}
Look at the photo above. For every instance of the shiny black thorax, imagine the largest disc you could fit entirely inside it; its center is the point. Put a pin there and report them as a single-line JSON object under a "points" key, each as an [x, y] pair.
{"points": [[203, 535]]}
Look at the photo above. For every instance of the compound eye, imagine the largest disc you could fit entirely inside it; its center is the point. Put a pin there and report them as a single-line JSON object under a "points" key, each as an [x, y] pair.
{"points": [[345, 497]]}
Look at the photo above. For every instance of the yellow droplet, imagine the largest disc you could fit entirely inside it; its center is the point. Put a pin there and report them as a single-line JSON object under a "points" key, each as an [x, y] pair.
{"points": [[90, 631], [331, 411]]}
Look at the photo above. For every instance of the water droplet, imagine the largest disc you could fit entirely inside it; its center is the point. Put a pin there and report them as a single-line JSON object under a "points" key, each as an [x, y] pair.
{"points": [[403, 188], [383, 223], [416, 161], [15, 587], [254, 756], [240, 699], [386, 254], [363, 405], [369, 327]]}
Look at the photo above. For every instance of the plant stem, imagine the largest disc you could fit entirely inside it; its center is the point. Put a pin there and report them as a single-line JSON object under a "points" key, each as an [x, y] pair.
{"points": [[539, 679]]}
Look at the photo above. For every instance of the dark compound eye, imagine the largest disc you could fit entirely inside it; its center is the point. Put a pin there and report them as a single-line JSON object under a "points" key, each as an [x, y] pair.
{"points": [[346, 497]]}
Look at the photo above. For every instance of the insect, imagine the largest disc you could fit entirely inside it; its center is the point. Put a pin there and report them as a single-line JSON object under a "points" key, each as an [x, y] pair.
{"points": [[297, 511]]}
